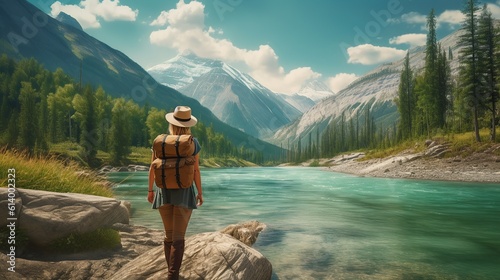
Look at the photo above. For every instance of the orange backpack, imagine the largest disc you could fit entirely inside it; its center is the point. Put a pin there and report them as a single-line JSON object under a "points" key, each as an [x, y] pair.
{"points": [[174, 163]]}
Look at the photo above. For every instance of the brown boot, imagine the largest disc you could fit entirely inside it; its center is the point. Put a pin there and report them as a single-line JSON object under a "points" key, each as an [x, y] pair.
{"points": [[166, 249], [176, 255]]}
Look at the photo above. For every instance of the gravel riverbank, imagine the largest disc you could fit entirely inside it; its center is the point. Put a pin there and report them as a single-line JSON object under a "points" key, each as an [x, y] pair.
{"points": [[481, 167]]}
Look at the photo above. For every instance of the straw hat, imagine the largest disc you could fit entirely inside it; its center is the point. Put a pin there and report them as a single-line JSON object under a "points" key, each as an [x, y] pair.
{"points": [[181, 117]]}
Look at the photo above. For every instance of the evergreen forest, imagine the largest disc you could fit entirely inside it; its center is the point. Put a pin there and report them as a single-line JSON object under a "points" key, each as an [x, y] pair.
{"points": [[40, 108], [430, 101]]}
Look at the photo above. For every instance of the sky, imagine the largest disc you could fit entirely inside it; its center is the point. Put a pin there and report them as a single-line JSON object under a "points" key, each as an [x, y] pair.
{"points": [[283, 44]]}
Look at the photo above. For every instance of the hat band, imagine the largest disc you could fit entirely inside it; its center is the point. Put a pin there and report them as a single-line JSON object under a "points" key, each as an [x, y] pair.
{"points": [[182, 120]]}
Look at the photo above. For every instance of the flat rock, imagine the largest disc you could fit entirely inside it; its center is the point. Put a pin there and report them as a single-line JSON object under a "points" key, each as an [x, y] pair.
{"points": [[211, 255], [46, 216]]}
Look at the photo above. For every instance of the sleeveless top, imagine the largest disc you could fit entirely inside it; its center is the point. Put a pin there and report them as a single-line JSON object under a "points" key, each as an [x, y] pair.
{"points": [[180, 197]]}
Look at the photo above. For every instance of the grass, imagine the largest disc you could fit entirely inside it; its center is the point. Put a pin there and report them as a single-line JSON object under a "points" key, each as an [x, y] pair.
{"points": [[57, 175], [50, 174], [100, 239], [465, 144], [314, 163], [217, 162], [140, 155], [461, 144], [415, 146]]}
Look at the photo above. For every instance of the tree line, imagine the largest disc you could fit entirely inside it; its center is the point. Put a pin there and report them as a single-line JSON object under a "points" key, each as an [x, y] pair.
{"points": [[39, 107], [429, 100], [432, 99], [342, 135]]}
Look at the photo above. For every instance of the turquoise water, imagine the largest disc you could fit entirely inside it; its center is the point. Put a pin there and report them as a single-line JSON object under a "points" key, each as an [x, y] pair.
{"points": [[326, 225]]}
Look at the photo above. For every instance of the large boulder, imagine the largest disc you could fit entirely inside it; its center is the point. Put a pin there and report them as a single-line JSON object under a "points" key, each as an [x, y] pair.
{"points": [[211, 255], [219, 256], [89, 265], [46, 216], [246, 232]]}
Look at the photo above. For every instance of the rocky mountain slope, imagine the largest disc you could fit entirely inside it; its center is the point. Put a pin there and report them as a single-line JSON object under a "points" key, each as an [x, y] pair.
{"points": [[311, 93], [182, 70], [375, 90], [234, 97]]}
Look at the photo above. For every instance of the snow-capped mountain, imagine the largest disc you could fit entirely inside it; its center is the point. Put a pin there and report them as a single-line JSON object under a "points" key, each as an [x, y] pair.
{"points": [[240, 101], [315, 90], [234, 97], [300, 102], [182, 70], [375, 90], [311, 93]]}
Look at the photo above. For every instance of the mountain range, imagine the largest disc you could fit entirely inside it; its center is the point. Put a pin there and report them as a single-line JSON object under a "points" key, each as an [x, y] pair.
{"points": [[375, 90], [27, 32], [234, 97], [230, 95]]}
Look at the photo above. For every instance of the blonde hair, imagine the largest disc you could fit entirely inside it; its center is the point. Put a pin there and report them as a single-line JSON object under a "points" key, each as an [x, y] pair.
{"points": [[177, 130]]}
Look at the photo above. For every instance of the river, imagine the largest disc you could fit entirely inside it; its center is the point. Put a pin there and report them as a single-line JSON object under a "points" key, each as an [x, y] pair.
{"points": [[327, 225]]}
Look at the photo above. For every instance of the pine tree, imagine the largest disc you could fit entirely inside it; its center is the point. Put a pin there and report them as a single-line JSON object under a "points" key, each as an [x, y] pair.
{"points": [[406, 99], [120, 132], [431, 96], [7, 68], [443, 87], [431, 50], [43, 116], [85, 112], [27, 122], [426, 89], [469, 59], [488, 45]]}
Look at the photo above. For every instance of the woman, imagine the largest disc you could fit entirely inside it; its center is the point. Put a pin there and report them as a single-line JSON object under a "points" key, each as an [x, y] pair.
{"points": [[176, 205]]}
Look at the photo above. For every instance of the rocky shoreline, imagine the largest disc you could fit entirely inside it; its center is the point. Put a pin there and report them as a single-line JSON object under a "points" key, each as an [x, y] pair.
{"points": [[129, 168], [44, 217], [214, 255], [482, 167]]}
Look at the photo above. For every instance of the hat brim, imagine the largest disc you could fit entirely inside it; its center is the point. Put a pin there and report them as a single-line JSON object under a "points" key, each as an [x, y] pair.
{"points": [[170, 118]]}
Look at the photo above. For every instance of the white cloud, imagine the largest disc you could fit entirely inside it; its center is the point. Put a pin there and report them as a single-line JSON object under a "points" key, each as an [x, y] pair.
{"points": [[110, 10], [341, 81], [412, 39], [368, 54], [88, 11], [495, 9], [84, 17], [414, 18], [452, 18], [184, 16], [185, 30]]}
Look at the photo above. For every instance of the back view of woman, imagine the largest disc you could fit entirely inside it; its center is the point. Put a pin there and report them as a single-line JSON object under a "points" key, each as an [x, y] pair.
{"points": [[176, 205]]}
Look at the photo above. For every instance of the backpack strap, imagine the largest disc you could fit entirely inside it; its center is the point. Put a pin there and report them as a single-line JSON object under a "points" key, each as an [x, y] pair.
{"points": [[163, 146], [177, 173], [163, 176]]}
